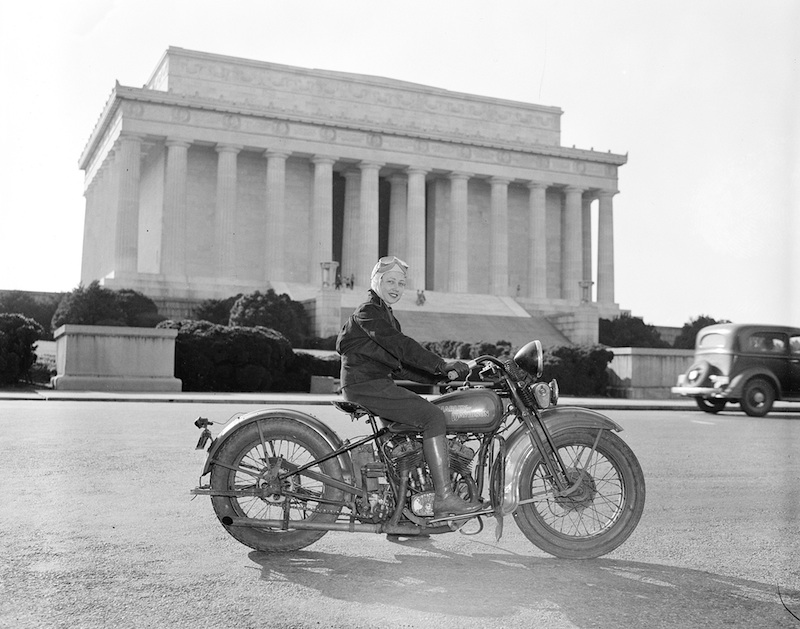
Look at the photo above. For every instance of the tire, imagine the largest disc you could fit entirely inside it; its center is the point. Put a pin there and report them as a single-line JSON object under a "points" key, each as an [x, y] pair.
{"points": [[757, 397], [252, 451], [601, 514], [712, 406]]}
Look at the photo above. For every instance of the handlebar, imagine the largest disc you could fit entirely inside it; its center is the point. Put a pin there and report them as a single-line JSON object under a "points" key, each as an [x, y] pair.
{"points": [[472, 364]]}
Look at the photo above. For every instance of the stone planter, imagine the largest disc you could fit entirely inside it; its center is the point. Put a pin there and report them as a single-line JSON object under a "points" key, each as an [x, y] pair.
{"points": [[100, 358]]}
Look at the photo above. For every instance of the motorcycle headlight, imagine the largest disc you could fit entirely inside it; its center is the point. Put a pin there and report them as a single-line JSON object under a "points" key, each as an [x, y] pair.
{"points": [[531, 358]]}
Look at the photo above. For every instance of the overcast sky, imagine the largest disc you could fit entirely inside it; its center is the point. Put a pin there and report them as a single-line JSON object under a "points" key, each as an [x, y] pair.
{"points": [[701, 95]]}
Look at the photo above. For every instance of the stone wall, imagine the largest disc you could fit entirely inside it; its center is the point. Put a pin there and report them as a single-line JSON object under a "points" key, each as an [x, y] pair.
{"points": [[642, 373], [108, 358]]}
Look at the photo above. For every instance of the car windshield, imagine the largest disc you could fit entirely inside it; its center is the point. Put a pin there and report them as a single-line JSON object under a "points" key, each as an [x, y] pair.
{"points": [[712, 340]]}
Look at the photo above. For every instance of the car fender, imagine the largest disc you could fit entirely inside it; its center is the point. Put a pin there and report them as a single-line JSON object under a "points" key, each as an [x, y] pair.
{"points": [[330, 437], [736, 386], [519, 447]]}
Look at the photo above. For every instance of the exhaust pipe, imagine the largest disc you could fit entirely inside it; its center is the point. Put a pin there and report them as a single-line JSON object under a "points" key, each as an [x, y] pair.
{"points": [[348, 527]]}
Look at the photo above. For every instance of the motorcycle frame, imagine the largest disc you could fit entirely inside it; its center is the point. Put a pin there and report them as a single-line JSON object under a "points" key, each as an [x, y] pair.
{"points": [[349, 486], [535, 433]]}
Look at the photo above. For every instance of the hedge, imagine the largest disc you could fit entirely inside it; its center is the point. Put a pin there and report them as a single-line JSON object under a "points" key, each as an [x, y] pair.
{"points": [[18, 335]]}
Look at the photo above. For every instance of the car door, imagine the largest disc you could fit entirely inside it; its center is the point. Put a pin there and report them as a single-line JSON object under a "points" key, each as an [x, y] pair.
{"points": [[792, 387]]}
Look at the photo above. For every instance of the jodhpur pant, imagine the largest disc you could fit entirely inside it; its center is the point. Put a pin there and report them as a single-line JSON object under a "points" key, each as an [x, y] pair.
{"points": [[397, 404]]}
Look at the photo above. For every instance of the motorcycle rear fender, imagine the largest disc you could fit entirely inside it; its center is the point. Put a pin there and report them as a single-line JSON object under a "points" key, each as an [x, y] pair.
{"points": [[330, 437], [519, 447]]}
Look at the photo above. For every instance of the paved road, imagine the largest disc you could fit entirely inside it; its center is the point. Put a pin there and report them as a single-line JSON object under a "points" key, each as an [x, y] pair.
{"points": [[99, 530]]}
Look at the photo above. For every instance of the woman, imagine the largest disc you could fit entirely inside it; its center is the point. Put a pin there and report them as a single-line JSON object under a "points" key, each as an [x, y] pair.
{"points": [[374, 351]]}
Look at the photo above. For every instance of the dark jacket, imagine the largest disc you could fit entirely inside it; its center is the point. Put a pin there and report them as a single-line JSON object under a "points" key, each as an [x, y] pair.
{"points": [[372, 346]]}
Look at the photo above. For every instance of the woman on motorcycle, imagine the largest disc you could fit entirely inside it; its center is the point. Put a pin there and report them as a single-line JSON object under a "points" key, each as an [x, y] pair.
{"points": [[374, 351]]}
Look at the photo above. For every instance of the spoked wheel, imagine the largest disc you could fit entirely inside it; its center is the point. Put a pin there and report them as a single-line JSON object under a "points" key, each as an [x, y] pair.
{"points": [[710, 405], [600, 512], [252, 462]]}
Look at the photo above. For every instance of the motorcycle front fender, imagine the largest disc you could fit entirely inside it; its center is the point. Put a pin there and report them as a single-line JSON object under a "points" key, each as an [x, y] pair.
{"points": [[519, 447], [331, 438]]}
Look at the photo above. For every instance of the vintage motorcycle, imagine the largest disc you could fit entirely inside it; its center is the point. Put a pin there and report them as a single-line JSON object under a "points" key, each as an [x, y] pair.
{"points": [[280, 479]]}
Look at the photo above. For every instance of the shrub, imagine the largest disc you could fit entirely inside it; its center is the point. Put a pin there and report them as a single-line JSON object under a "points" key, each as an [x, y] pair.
{"points": [[18, 334], [274, 311], [138, 310], [212, 357], [40, 308], [628, 331], [580, 370], [96, 305], [216, 310]]}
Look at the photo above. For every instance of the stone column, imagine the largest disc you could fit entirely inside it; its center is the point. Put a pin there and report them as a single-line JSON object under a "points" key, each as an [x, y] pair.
{"points": [[352, 195], [368, 225], [572, 245], [126, 249], [321, 228], [398, 216], [605, 248], [458, 273], [275, 216], [537, 247], [498, 247], [586, 244], [173, 238], [225, 215], [415, 231]]}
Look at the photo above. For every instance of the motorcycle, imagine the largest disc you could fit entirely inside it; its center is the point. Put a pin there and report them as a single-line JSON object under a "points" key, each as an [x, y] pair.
{"points": [[280, 479]]}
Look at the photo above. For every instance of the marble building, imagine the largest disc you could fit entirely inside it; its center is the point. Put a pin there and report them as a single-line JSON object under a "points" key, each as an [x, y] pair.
{"points": [[223, 175]]}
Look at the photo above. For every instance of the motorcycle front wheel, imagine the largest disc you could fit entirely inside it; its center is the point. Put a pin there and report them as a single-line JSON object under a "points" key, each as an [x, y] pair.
{"points": [[251, 459], [602, 510]]}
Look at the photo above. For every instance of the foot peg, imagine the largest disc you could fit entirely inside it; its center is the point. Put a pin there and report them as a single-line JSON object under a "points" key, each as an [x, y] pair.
{"points": [[460, 516]]}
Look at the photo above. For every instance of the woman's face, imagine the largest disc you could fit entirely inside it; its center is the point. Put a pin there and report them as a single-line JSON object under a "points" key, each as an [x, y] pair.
{"points": [[393, 284]]}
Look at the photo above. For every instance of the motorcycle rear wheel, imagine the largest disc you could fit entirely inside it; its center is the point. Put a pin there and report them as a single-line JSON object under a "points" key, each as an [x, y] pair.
{"points": [[602, 512], [249, 457]]}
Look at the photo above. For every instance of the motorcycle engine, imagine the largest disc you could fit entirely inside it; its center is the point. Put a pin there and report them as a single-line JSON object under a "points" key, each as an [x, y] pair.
{"points": [[407, 455]]}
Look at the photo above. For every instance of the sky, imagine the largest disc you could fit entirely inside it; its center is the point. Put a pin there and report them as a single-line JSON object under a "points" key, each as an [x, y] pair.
{"points": [[702, 95]]}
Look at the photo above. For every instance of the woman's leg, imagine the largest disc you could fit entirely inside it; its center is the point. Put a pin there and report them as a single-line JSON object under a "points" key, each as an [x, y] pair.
{"points": [[397, 404]]}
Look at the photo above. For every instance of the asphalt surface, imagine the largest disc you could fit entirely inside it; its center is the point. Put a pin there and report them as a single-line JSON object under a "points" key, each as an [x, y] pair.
{"points": [[99, 530]]}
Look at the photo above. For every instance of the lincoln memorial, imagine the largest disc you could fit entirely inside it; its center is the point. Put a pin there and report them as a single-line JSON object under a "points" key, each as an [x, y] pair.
{"points": [[222, 176]]}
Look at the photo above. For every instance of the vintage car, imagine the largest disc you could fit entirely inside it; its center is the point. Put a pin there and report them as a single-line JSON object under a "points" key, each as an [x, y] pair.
{"points": [[752, 365]]}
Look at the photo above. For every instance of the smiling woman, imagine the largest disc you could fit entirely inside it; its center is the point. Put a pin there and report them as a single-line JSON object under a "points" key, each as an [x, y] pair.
{"points": [[374, 352]]}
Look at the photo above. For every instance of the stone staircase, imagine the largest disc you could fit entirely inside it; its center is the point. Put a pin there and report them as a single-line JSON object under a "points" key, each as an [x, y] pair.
{"points": [[464, 317]]}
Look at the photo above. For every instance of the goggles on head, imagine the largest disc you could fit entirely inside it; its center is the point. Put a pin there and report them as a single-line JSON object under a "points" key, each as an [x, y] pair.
{"points": [[388, 262]]}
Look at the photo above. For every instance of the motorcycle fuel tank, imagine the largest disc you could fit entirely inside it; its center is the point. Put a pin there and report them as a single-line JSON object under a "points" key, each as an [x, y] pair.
{"points": [[471, 410]]}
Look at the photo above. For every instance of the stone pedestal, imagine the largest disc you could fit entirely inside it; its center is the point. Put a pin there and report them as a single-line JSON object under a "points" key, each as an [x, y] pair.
{"points": [[107, 358], [325, 312]]}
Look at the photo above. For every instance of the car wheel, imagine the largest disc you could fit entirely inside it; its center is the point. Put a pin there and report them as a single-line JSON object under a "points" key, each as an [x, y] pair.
{"points": [[712, 406], [757, 397]]}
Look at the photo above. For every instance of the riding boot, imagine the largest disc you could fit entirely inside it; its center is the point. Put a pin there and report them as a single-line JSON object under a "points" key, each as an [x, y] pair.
{"points": [[445, 502]]}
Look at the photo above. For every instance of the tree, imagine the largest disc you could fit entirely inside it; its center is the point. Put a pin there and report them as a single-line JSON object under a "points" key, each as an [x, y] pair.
{"points": [[274, 311], [688, 334], [40, 308], [96, 305], [628, 331]]}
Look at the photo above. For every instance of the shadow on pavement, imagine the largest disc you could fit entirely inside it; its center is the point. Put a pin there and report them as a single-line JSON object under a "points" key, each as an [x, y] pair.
{"points": [[598, 593]]}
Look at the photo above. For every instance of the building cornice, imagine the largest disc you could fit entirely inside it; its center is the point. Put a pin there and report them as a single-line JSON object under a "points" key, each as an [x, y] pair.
{"points": [[122, 93]]}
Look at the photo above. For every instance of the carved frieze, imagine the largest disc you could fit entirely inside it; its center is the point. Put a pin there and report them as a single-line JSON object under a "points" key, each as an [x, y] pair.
{"points": [[390, 104]]}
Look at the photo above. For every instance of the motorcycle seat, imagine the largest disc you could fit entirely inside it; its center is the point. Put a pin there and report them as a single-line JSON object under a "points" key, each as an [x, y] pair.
{"points": [[398, 428], [353, 409]]}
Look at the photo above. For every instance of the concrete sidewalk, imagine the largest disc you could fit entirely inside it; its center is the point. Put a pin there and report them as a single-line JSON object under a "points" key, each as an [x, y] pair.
{"points": [[51, 395], [325, 399]]}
